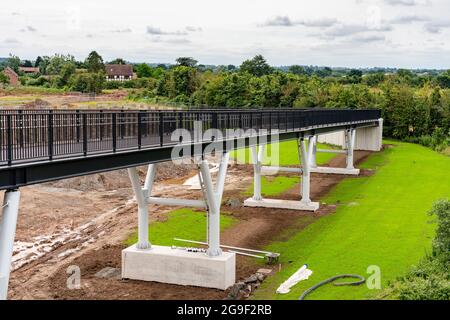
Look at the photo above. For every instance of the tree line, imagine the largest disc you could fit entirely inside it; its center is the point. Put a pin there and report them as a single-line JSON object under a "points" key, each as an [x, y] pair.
{"points": [[415, 106]]}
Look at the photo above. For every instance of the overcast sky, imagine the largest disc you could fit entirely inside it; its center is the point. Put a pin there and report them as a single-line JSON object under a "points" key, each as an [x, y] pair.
{"points": [[351, 33]]}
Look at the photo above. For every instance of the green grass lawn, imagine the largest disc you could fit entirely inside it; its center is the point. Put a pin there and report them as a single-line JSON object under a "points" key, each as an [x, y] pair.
{"points": [[287, 151], [274, 185], [380, 220], [181, 223], [288, 156]]}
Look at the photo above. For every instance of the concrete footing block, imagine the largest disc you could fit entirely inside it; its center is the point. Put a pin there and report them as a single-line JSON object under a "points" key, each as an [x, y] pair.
{"points": [[281, 204], [177, 266], [353, 172]]}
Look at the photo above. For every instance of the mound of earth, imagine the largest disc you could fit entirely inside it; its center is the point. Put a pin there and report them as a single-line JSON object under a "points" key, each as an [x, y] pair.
{"points": [[114, 180]]}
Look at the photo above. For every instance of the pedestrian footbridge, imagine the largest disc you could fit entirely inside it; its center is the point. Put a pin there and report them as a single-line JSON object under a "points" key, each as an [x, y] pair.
{"points": [[45, 145]]}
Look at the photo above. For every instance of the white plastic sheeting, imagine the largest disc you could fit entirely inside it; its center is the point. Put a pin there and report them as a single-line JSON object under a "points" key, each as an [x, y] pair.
{"points": [[301, 274]]}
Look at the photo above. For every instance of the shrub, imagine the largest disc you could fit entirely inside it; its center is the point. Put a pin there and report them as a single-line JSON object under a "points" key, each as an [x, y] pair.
{"points": [[88, 82], [430, 279], [426, 281], [110, 85], [441, 242], [36, 82], [426, 140]]}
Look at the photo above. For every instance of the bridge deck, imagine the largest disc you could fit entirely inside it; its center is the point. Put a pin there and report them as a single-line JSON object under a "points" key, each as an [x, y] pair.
{"points": [[44, 145]]}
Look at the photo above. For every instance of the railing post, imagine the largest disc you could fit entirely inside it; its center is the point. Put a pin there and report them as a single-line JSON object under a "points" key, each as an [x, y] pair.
{"points": [[50, 135], [286, 121], [122, 124], [260, 120], [21, 128], [161, 128], [240, 120], [214, 120], [84, 124], [278, 120], [101, 125], [114, 131], [77, 120], [9, 137], [139, 129], [179, 120], [270, 122]]}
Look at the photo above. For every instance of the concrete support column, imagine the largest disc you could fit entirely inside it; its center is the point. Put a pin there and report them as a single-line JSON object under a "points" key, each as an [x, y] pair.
{"points": [[149, 179], [220, 183], [10, 210], [257, 157], [305, 190], [312, 146], [350, 139], [141, 199], [213, 211]]}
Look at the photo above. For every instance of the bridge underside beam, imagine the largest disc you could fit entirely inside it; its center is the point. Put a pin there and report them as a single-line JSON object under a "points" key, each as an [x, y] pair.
{"points": [[44, 171]]}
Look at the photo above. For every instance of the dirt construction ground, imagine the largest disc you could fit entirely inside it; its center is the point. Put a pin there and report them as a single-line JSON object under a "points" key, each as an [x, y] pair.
{"points": [[84, 221]]}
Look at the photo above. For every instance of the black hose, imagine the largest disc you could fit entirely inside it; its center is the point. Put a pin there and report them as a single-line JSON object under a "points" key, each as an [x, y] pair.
{"points": [[356, 283]]}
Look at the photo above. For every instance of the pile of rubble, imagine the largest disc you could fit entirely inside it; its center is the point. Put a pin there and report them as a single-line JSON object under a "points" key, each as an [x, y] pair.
{"points": [[244, 288]]}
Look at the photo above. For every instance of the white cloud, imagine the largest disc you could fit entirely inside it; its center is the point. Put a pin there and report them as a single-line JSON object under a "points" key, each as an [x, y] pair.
{"points": [[344, 30], [124, 30], [11, 41], [369, 39], [193, 29], [437, 26], [409, 19], [286, 21], [405, 33], [157, 31], [408, 3]]}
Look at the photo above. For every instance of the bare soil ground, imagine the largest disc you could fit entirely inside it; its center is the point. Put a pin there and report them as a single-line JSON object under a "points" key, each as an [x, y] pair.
{"points": [[84, 221], [60, 100]]}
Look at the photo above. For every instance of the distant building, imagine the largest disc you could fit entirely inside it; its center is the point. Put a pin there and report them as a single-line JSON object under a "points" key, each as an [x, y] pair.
{"points": [[29, 70], [12, 75], [119, 72]]}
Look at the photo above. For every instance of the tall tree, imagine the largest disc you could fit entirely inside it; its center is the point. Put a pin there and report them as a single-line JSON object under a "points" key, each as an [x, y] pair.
{"points": [[256, 66], [296, 69], [3, 78], [27, 63], [118, 61], [38, 62], [186, 62], [13, 62], [56, 63], [143, 70], [94, 62], [444, 79]]}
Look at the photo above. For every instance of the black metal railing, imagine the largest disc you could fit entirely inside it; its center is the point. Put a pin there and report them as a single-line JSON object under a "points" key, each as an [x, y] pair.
{"points": [[39, 135]]}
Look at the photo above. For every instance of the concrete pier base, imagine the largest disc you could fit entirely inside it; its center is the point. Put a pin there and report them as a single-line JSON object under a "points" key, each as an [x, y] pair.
{"points": [[282, 204], [331, 170], [177, 266], [269, 171]]}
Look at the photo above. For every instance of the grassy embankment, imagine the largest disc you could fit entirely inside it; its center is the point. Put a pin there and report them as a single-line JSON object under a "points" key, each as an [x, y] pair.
{"points": [[288, 156], [380, 220]]}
